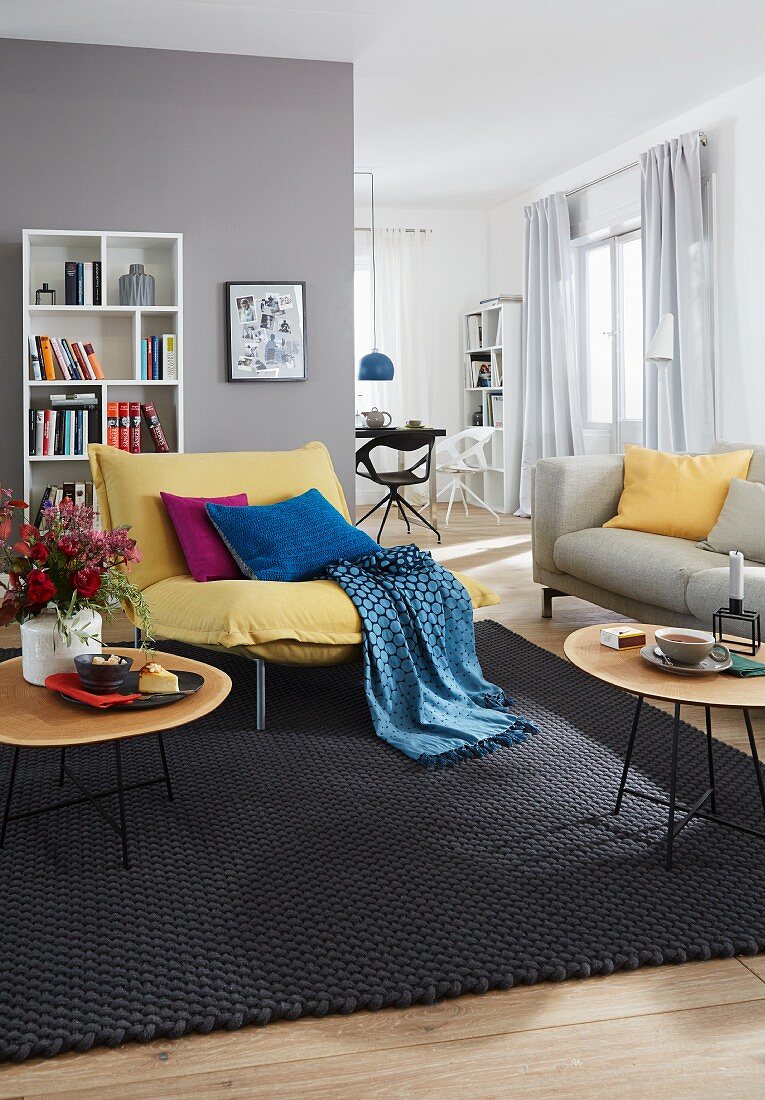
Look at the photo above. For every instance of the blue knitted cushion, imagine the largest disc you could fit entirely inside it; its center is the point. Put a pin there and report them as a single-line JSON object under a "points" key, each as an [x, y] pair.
{"points": [[293, 540]]}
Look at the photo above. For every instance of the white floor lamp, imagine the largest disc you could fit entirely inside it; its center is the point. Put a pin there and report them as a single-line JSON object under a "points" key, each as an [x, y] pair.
{"points": [[661, 351]]}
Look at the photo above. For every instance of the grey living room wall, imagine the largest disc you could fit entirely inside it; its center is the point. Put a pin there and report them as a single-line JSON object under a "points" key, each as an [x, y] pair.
{"points": [[250, 158]]}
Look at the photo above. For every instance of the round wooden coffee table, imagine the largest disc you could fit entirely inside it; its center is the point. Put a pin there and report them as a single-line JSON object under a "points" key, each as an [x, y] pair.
{"points": [[35, 718], [627, 670]]}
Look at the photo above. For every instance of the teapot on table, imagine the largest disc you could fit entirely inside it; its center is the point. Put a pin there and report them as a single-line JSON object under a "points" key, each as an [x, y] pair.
{"points": [[376, 418]]}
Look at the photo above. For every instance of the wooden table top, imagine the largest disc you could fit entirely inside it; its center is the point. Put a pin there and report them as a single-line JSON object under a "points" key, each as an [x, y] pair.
{"points": [[37, 718], [626, 669]]}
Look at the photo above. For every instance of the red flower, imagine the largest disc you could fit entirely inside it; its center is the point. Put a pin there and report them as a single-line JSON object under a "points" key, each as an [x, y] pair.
{"points": [[87, 582], [39, 553], [40, 588], [68, 546], [27, 532]]}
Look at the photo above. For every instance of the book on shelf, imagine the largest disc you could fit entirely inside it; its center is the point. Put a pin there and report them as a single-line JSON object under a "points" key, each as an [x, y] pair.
{"points": [[82, 283], [135, 427], [158, 358], [496, 418], [61, 430], [474, 330], [80, 492], [34, 359], [155, 427], [76, 361], [123, 413], [112, 424]]}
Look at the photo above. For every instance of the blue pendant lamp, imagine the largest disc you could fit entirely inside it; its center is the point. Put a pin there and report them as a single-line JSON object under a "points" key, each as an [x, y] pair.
{"points": [[375, 366]]}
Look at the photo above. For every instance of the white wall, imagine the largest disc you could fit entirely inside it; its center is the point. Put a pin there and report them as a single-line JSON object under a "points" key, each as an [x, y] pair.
{"points": [[735, 125], [459, 262]]}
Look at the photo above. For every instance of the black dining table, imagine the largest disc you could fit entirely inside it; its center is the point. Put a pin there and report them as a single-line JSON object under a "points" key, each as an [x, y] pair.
{"points": [[439, 433]]}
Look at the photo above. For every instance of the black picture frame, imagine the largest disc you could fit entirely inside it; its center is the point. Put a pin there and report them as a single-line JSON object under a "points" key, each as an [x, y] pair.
{"points": [[266, 337]]}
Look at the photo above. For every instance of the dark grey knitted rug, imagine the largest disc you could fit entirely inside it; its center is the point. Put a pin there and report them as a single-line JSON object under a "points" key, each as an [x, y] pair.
{"points": [[312, 869]]}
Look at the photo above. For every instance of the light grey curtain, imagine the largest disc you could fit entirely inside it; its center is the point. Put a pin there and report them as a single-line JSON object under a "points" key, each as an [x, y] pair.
{"points": [[675, 281], [552, 425]]}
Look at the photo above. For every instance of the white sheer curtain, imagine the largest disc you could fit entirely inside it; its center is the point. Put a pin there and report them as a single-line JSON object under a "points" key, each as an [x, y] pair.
{"points": [[675, 281], [552, 425], [404, 324]]}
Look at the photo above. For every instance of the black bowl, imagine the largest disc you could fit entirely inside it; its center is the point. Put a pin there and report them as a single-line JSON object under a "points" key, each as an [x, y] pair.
{"points": [[101, 679]]}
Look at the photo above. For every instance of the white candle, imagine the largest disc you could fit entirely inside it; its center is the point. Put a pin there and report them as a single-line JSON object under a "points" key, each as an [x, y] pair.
{"points": [[736, 587]]}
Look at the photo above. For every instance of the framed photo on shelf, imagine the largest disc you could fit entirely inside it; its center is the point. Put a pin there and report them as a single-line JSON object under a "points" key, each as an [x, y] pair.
{"points": [[266, 331]]}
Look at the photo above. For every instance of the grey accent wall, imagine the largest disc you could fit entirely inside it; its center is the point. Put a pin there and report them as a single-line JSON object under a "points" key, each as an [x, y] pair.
{"points": [[250, 158]]}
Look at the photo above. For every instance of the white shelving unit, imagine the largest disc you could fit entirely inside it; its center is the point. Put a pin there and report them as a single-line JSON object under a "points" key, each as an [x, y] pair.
{"points": [[492, 335], [115, 331]]}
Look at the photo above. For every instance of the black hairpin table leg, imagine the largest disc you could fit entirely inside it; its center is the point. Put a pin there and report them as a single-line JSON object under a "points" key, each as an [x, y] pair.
{"points": [[628, 756], [165, 768], [673, 785], [755, 757], [711, 760], [9, 794]]}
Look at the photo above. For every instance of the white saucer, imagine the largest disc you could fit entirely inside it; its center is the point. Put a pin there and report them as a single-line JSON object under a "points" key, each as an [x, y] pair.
{"points": [[708, 667]]}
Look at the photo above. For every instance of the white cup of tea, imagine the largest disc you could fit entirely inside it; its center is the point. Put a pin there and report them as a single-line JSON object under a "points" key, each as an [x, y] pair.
{"points": [[690, 647], [414, 423]]}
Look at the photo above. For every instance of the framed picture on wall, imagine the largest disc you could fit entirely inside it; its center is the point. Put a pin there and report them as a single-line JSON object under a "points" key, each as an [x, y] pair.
{"points": [[266, 330]]}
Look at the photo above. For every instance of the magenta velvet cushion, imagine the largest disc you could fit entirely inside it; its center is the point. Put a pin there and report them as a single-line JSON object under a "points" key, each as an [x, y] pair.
{"points": [[205, 551]]}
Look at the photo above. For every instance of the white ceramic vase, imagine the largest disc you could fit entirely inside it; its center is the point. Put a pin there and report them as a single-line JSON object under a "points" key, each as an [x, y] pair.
{"points": [[44, 651]]}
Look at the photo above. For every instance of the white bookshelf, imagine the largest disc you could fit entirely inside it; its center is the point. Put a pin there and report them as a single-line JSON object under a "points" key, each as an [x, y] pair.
{"points": [[114, 330], [492, 335]]}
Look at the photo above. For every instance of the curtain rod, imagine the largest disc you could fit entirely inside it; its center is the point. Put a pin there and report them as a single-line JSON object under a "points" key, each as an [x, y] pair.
{"points": [[617, 172], [366, 229]]}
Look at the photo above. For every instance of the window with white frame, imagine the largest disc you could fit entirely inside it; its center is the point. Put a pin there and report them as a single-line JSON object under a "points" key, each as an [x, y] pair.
{"points": [[610, 326]]}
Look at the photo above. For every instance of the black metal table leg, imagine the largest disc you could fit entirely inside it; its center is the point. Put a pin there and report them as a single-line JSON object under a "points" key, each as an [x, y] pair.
{"points": [[711, 760], [165, 768], [673, 785], [61, 760], [628, 757], [755, 757], [121, 799], [9, 794]]}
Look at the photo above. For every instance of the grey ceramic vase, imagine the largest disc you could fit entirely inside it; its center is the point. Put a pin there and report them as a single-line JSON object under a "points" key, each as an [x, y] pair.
{"points": [[136, 288]]}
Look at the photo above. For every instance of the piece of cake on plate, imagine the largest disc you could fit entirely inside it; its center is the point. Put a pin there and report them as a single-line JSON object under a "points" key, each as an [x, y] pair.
{"points": [[153, 679]]}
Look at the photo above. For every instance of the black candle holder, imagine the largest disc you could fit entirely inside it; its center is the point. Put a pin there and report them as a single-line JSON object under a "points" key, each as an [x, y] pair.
{"points": [[748, 642]]}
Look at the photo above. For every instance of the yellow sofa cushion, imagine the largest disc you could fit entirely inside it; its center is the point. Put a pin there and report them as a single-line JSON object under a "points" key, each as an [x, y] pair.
{"points": [[128, 488], [677, 495], [268, 618]]}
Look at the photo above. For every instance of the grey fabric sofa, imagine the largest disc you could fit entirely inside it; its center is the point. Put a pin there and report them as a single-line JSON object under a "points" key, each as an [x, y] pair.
{"points": [[651, 578]]}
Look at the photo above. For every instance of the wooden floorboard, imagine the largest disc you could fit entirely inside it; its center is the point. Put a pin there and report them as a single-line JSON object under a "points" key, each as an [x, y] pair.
{"points": [[693, 1030]]}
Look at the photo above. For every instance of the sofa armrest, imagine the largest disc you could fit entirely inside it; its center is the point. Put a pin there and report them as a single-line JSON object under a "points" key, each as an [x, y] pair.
{"points": [[572, 494]]}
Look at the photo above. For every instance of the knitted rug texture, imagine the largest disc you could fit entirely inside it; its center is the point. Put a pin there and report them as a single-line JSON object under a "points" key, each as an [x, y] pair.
{"points": [[312, 868]]}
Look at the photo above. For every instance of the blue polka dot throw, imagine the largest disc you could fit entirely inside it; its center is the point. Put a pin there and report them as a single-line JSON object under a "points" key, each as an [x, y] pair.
{"points": [[424, 685]]}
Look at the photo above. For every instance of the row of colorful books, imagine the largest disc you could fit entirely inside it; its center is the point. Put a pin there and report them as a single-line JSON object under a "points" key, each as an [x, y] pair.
{"points": [[81, 492], [59, 431], [123, 426], [158, 358], [82, 283], [76, 361]]}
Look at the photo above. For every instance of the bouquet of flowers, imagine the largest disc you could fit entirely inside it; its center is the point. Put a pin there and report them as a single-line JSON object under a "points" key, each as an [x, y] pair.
{"points": [[66, 565]]}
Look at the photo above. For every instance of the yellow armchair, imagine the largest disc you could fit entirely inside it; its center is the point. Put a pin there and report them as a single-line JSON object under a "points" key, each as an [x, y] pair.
{"points": [[308, 622]]}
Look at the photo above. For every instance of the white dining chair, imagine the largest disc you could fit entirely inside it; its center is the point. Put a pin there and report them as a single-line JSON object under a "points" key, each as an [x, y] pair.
{"points": [[460, 455]]}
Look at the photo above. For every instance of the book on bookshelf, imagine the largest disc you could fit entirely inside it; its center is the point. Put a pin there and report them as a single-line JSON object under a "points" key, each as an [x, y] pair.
{"points": [[60, 431], [82, 283], [76, 361], [155, 427], [169, 368], [123, 412], [112, 424], [79, 492], [496, 417], [135, 427]]}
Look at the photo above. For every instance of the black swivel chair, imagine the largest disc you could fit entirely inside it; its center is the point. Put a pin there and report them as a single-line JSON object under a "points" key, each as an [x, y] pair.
{"points": [[393, 481]]}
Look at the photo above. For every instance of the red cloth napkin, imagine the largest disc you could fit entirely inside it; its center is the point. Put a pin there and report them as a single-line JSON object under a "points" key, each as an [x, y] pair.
{"points": [[68, 683]]}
